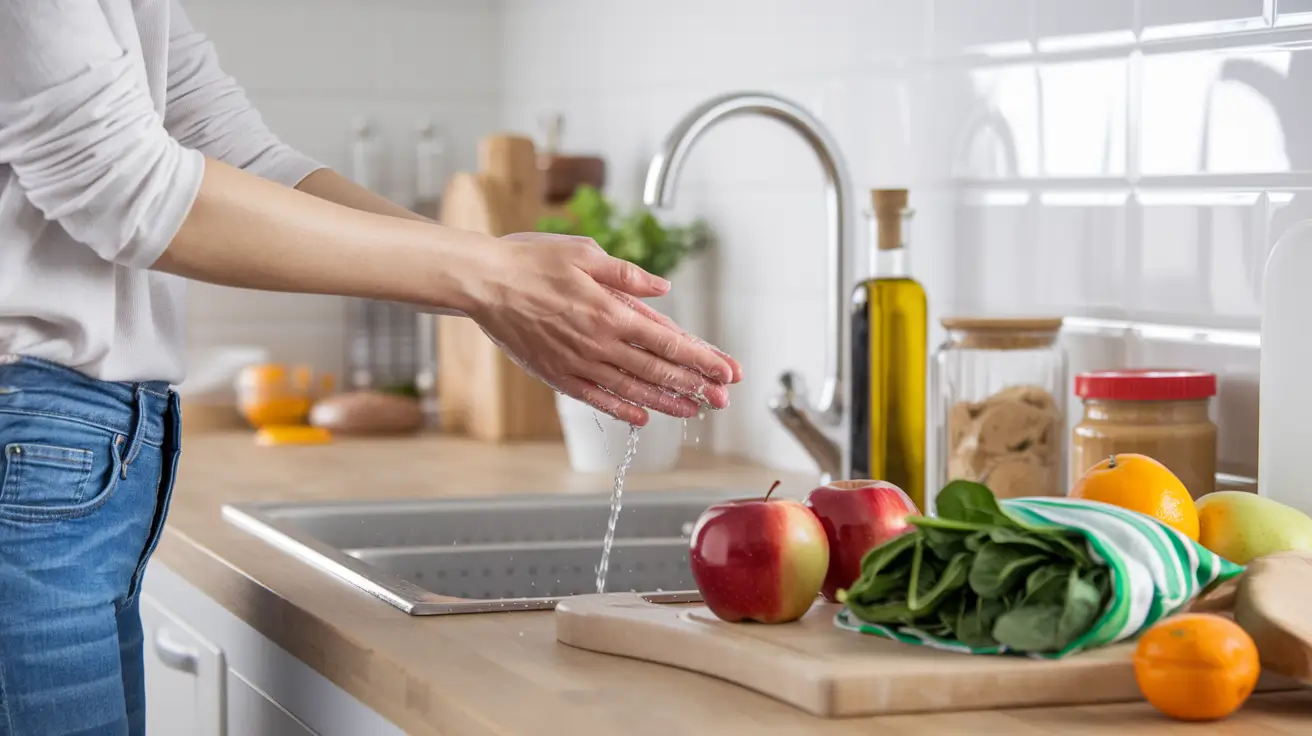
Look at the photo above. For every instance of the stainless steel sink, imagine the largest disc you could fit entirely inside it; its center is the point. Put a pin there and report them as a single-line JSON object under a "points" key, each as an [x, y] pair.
{"points": [[488, 554]]}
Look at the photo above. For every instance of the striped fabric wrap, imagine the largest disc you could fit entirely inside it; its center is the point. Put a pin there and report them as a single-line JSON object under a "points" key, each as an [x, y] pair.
{"points": [[1155, 571]]}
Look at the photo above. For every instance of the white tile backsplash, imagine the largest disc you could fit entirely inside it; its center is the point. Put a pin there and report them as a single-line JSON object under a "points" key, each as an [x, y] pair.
{"points": [[1124, 160], [314, 67]]}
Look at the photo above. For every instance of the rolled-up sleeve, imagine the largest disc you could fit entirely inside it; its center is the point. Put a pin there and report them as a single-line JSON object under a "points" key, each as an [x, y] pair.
{"points": [[81, 135], [208, 111]]}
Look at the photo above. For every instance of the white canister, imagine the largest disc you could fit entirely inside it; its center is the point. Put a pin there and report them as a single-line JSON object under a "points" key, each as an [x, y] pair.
{"points": [[600, 450]]}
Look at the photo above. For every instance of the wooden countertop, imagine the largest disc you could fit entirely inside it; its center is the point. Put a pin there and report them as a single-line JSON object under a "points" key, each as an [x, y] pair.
{"points": [[504, 673]]}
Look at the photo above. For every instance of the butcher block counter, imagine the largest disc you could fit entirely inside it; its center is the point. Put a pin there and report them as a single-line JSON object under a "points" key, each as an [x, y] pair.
{"points": [[504, 673]]}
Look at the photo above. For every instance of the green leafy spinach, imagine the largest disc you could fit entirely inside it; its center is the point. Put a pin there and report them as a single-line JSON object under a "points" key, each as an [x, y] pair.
{"points": [[977, 575]]}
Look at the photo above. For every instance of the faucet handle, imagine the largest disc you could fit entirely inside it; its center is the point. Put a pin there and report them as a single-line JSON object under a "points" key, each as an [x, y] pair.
{"points": [[792, 391], [791, 408]]}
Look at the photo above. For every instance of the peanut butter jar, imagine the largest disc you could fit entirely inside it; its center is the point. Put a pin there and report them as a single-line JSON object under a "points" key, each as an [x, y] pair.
{"points": [[1159, 413]]}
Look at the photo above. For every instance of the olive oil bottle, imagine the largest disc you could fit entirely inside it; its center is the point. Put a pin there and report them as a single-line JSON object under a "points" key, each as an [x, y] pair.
{"points": [[889, 352]]}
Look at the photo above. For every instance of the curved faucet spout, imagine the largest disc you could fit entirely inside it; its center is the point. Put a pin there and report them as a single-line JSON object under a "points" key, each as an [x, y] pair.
{"points": [[659, 192]]}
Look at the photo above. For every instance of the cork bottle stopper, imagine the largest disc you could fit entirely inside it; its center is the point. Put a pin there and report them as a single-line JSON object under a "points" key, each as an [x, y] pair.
{"points": [[888, 206]]}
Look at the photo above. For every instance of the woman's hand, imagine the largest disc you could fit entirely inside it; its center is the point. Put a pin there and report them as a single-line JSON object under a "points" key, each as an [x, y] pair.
{"points": [[569, 314]]}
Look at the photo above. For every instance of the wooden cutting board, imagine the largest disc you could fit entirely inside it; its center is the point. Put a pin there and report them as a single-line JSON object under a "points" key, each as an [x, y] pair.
{"points": [[828, 672], [482, 392], [1273, 603]]}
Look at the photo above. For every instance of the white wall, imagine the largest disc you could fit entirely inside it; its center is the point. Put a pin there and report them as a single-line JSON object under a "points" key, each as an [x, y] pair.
{"points": [[1127, 163], [1124, 162], [313, 67]]}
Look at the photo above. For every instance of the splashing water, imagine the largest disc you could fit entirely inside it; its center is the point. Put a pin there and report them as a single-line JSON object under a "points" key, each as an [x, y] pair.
{"points": [[615, 502]]}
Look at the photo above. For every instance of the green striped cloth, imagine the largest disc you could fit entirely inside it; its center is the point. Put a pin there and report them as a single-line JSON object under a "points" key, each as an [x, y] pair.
{"points": [[1155, 572]]}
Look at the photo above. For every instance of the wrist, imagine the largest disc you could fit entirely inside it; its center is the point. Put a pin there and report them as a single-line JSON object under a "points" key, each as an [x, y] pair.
{"points": [[466, 273]]}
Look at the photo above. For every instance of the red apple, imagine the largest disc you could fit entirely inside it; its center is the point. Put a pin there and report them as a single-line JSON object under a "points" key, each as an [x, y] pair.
{"points": [[857, 515], [759, 559]]}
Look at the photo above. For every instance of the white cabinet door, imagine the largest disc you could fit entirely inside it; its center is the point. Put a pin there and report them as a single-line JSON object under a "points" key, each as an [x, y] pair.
{"points": [[185, 676], [252, 712]]}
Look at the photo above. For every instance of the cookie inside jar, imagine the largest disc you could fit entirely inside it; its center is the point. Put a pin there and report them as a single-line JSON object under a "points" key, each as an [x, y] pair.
{"points": [[1000, 388]]}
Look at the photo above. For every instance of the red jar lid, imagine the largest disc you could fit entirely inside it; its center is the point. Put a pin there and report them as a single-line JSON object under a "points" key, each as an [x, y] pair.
{"points": [[1145, 385]]}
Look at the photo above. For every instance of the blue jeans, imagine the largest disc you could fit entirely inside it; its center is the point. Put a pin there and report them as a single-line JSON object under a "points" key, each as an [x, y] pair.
{"points": [[86, 471]]}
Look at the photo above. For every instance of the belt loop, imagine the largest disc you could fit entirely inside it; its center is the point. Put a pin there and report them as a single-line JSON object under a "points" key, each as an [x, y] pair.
{"points": [[138, 429]]}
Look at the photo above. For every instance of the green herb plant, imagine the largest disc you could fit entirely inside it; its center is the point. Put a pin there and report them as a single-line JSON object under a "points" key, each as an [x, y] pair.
{"points": [[977, 575], [637, 237]]}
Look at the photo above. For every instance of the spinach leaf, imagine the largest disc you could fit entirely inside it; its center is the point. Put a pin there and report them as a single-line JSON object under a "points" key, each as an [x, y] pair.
{"points": [[977, 540], [1008, 535], [1030, 628], [886, 554], [884, 612], [972, 503], [997, 568], [1047, 584], [952, 579], [1083, 603], [938, 522], [978, 576], [880, 586], [944, 543], [975, 626]]}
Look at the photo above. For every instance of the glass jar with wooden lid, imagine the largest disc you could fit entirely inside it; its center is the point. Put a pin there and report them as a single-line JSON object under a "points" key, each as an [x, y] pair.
{"points": [[1164, 414], [998, 402]]}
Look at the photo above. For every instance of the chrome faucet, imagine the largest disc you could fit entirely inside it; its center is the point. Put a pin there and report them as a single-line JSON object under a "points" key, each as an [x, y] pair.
{"points": [[818, 428]]}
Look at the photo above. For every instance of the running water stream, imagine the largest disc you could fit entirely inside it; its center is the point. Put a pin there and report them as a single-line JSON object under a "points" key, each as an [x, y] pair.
{"points": [[616, 500]]}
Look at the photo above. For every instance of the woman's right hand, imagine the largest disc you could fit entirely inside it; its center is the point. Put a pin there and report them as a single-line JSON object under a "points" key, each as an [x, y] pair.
{"points": [[569, 314]]}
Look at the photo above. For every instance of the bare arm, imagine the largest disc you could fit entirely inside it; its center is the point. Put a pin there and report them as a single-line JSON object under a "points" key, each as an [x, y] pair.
{"points": [[549, 301], [80, 133], [245, 231], [332, 186]]}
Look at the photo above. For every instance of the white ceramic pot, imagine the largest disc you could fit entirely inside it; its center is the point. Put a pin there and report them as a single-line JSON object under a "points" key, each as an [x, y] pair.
{"points": [[593, 450]]}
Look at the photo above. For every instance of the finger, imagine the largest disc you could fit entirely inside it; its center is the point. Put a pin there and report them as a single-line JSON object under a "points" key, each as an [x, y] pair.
{"points": [[734, 366], [644, 310], [667, 376], [640, 392], [626, 278], [677, 348], [603, 401]]}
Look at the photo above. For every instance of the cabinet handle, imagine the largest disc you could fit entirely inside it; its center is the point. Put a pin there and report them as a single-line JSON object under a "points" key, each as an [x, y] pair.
{"points": [[174, 655]]}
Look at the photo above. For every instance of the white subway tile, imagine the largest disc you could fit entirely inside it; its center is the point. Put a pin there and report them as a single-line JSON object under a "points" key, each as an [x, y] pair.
{"points": [[1200, 257], [984, 122], [1177, 18], [1223, 112], [1080, 254], [1293, 12], [997, 27], [430, 48], [1070, 24], [1084, 117], [995, 263]]}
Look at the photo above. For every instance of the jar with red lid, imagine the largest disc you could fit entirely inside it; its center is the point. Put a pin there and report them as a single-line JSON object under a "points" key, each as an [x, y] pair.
{"points": [[1164, 414]]}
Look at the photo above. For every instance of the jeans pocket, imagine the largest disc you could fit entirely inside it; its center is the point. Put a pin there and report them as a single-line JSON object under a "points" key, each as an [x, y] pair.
{"points": [[59, 476]]}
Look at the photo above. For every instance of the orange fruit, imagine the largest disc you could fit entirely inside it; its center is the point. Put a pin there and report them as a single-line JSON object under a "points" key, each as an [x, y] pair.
{"points": [[1196, 666], [1140, 483]]}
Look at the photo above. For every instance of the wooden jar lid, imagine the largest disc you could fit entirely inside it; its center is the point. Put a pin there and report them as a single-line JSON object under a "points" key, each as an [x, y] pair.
{"points": [[1004, 333]]}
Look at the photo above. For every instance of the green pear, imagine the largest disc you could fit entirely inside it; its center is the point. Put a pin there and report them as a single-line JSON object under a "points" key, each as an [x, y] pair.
{"points": [[1243, 526]]}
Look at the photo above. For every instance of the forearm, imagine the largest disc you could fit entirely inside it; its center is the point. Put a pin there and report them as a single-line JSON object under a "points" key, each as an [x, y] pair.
{"points": [[246, 232], [332, 186]]}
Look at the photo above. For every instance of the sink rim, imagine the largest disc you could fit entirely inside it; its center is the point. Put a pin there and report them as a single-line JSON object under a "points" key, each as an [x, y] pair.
{"points": [[268, 521]]}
